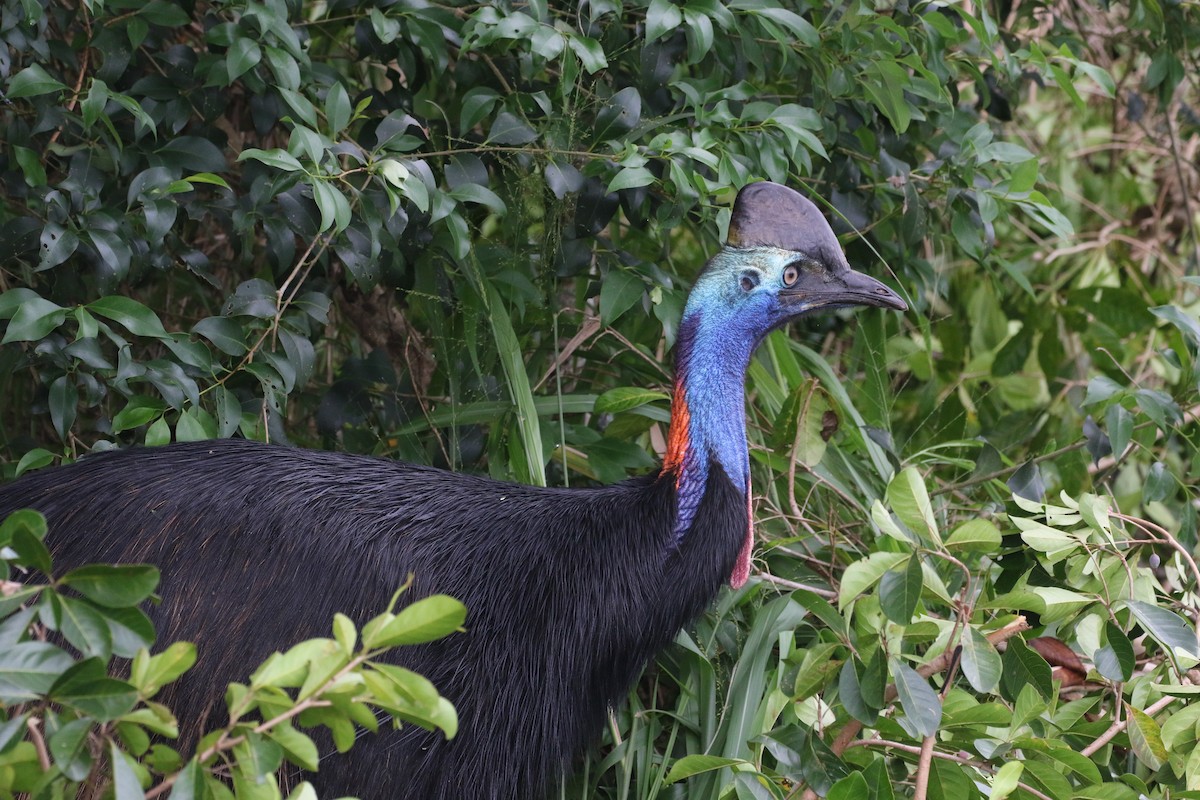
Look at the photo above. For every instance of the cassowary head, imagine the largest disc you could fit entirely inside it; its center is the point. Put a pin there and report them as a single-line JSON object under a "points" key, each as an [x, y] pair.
{"points": [[781, 260]]}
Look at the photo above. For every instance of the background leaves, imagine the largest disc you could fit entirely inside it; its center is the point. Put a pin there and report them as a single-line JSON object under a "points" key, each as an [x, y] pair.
{"points": [[463, 235]]}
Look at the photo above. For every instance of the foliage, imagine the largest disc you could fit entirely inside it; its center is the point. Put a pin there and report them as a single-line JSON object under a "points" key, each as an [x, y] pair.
{"points": [[462, 235], [64, 722]]}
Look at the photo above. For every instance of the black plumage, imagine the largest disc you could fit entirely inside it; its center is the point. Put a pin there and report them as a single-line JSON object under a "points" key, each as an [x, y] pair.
{"points": [[259, 545]]}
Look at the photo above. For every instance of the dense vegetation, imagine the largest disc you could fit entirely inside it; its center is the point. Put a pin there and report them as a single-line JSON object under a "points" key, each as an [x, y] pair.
{"points": [[462, 235]]}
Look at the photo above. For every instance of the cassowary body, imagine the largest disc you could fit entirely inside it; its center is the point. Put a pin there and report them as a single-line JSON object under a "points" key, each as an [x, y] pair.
{"points": [[569, 592]]}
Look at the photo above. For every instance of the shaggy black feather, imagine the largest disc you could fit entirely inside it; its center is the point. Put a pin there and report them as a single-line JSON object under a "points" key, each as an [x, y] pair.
{"points": [[569, 592]]}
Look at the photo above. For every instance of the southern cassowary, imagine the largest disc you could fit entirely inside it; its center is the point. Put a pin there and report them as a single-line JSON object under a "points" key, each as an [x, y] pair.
{"points": [[569, 591]]}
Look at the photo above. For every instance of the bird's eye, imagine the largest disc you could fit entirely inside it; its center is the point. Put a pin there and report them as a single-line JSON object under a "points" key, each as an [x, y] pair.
{"points": [[791, 274]]}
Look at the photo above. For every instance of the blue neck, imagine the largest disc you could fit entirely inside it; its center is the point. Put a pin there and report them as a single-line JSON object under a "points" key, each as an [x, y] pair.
{"points": [[709, 412]]}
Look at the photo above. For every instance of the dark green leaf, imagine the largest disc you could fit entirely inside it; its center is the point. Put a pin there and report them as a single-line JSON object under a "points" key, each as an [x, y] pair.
{"points": [[242, 57], [850, 694], [85, 629], [851, 787], [69, 748], [618, 293], [899, 591], [1167, 627], [922, 708], [981, 664], [87, 688], [29, 669], [34, 319], [1120, 428], [132, 315], [31, 82], [511, 130], [1024, 667]]}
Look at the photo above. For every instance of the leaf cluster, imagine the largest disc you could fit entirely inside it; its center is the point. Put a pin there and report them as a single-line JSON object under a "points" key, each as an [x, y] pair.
{"points": [[67, 725]]}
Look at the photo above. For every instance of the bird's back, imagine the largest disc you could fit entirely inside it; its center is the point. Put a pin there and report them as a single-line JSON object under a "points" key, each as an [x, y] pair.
{"points": [[568, 591]]}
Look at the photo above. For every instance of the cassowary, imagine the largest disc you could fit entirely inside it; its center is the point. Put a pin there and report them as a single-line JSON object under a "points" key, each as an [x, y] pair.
{"points": [[569, 591]]}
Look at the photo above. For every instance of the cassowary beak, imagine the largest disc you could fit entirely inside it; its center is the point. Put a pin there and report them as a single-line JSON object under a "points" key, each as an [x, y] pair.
{"points": [[816, 289]]}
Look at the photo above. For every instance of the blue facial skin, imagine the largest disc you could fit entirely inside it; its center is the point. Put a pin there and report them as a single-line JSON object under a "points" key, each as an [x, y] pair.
{"points": [[734, 304]]}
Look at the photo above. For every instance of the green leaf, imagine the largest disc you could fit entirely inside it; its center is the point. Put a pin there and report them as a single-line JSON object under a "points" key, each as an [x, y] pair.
{"points": [[851, 787], [69, 748], [631, 178], [1120, 428], [885, 82], [589, 52], [243, 55], [297, 747], [30, 550], [899, 591], [477, 103], [84, 628], [692, 765], [165, 13], [662, 17], [949, 781], [26, 520], [31, 166], [114, 585], [151, 673], [337, 108], [280, 159], [33, 81], [125, 785], [34, 319], [132, 315], [1145, 738], [209, 178], [1166, 627], [63, 400], [345, 633], [908, 498], [975, 534], [189, 428], [1006, 779], [922, 708], [795, 24], [228, 336], [426, 620], [333, 205], [618, 293], [850, 693], [86, 687], [981, 664], [625, 398], [1024, 667], [1115, 660], [863, 574], [511, 130], [137, 412], [190, 783], [474, 193], [29, 669]]}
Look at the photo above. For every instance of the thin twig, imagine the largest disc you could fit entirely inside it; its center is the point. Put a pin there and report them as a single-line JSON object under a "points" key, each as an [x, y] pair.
{"points": [[39, 742], [970, 762], [1121, 724], [785, 583]]}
